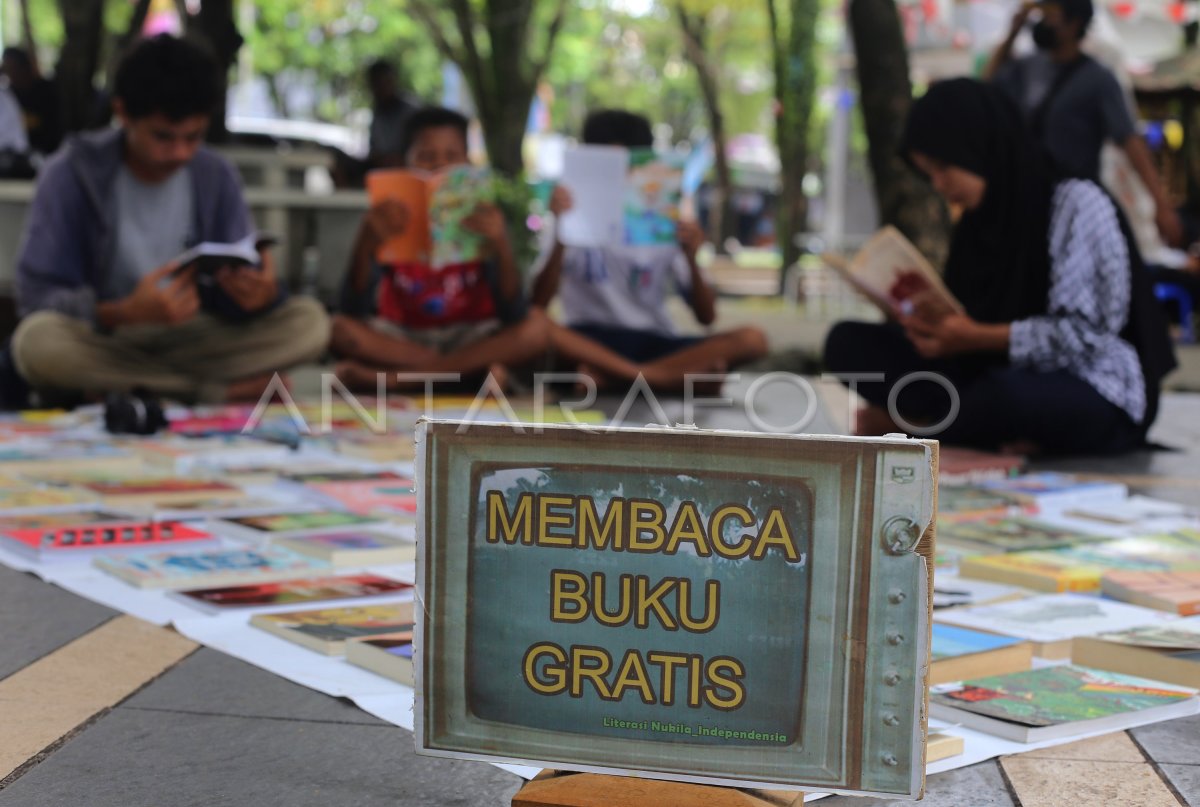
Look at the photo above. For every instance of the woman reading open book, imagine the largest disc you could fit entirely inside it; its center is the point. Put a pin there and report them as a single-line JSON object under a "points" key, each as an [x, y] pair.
{"points": [[1060, 347]]}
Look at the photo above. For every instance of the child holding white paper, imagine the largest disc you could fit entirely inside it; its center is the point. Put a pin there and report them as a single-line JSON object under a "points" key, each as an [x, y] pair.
{"points": [[617, 294]]}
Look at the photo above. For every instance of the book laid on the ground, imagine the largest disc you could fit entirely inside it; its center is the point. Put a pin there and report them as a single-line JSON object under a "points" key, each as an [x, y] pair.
{"points": [[218, 567], [1169, 652], [1061, 701], [158, 491], [1051, 621], [435, 205], [26, 498], [389, 655], [360, 589], [59, 456], [329, 630], [968, 503], [961, 653], [943, 745], [353, 547], [386, 496], [968, 466], [1058, 490], [1137, 510], [952, 591], [1082, 567], [1175, 592], [71, 534], [268, 526], [1012, 535], [893, 274], [621, 196]]}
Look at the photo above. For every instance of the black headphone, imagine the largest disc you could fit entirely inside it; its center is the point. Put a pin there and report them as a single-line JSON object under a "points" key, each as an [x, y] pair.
{"points": [[136, 412]]}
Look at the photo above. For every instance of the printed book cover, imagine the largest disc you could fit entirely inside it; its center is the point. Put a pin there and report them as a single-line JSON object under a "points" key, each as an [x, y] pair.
{"points": [[1013, 535], [1176, 592], [223, 567], [389, 496], [1051, 617], [77, 532], [1049, 487], [389, 655], [1061, 696], [295, 592], [358, 548], [1169, 652], [435, 206], [893, 274], [269, 524], [960, 653], [329, 629]]}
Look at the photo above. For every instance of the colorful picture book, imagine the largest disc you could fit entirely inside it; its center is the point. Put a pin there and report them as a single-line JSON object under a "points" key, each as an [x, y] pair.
{"points": [[219, 567], [160, 491], [385, 495], [1058, 490], [1082, 567], [435, 206], [968, 502], [329, 630], [19, 498], [966, 466], [51, 457], [1175, 592], [621, 196], [957, 654], [1011, 535], [353, 548], [275, 525], [77, 533], [1169, 652], [1056, 702], [892, 273], [358, 588], [1051, 620], [389, 655]]}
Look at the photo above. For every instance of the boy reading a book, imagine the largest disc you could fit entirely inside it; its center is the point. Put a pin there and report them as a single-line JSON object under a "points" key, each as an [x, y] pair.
{"points": [[106, 309], [410, 317], [616, 295]]}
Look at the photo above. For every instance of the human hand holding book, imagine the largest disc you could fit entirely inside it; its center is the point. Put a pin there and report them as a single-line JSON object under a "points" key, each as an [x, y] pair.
{"points": [[166, 296]]}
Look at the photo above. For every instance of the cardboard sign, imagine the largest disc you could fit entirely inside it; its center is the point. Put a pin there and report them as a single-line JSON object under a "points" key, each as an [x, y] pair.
{"points": [[727, 608]]}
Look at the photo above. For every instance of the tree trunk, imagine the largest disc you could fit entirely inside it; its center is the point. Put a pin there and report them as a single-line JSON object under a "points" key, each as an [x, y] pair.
{"points": [[905, 200], [793, 42], [27, 39], [694, 28], [214, 26], [83, 31]]}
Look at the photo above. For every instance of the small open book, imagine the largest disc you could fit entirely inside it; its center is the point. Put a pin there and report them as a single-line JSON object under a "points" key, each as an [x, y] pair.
{"points": [[209, 256], [436, 205], [890, 272]]}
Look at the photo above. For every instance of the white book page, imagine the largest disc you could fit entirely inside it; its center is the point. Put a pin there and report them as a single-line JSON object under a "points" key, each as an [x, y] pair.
{"points": [[595, 176]]}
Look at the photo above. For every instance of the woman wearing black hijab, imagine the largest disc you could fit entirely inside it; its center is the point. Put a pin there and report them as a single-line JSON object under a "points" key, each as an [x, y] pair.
{"points": [[1062, 348]]}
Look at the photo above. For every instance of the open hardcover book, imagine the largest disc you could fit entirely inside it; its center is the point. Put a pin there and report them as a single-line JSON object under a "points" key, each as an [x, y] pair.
{"points": [[890, 272], [435, 205]]}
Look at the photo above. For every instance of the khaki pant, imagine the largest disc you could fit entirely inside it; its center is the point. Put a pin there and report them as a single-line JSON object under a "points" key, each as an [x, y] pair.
{"points": [[193, 361]]}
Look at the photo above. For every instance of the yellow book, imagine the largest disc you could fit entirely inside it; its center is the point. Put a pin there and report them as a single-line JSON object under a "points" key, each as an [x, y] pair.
{"points": [[1040, 571]]}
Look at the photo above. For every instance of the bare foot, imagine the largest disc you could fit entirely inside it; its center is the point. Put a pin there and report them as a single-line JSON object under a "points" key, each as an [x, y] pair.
{"points": [[874, 421], [499, 375], [252, 389]]}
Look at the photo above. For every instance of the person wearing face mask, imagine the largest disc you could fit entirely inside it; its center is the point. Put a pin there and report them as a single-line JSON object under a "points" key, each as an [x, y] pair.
{"points": [[1072, 103], [1061, 348]]}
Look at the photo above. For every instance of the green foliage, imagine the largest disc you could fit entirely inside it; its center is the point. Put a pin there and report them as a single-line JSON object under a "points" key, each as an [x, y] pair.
{"points": [[329, 43]]}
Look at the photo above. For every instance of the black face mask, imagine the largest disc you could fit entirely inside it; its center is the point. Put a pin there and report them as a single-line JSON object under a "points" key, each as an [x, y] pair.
{"points": [[1045, 37]]}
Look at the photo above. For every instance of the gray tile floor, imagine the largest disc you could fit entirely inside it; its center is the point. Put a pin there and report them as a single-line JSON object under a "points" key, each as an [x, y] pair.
{"points": [[214, 731]]}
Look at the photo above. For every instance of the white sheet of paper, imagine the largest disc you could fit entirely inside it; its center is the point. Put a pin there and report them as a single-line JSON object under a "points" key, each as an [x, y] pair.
{"points": [[595, 176]]}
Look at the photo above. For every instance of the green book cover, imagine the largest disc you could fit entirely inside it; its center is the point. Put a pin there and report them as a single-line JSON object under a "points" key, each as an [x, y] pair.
{"points": [[1055, 695]]}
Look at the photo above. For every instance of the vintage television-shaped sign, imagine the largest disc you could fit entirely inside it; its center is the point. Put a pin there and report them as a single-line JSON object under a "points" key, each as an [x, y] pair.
{"points": [[728, 608]]}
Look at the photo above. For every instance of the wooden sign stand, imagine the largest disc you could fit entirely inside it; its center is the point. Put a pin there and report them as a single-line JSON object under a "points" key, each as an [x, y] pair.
{"points": [[569, 789]]}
